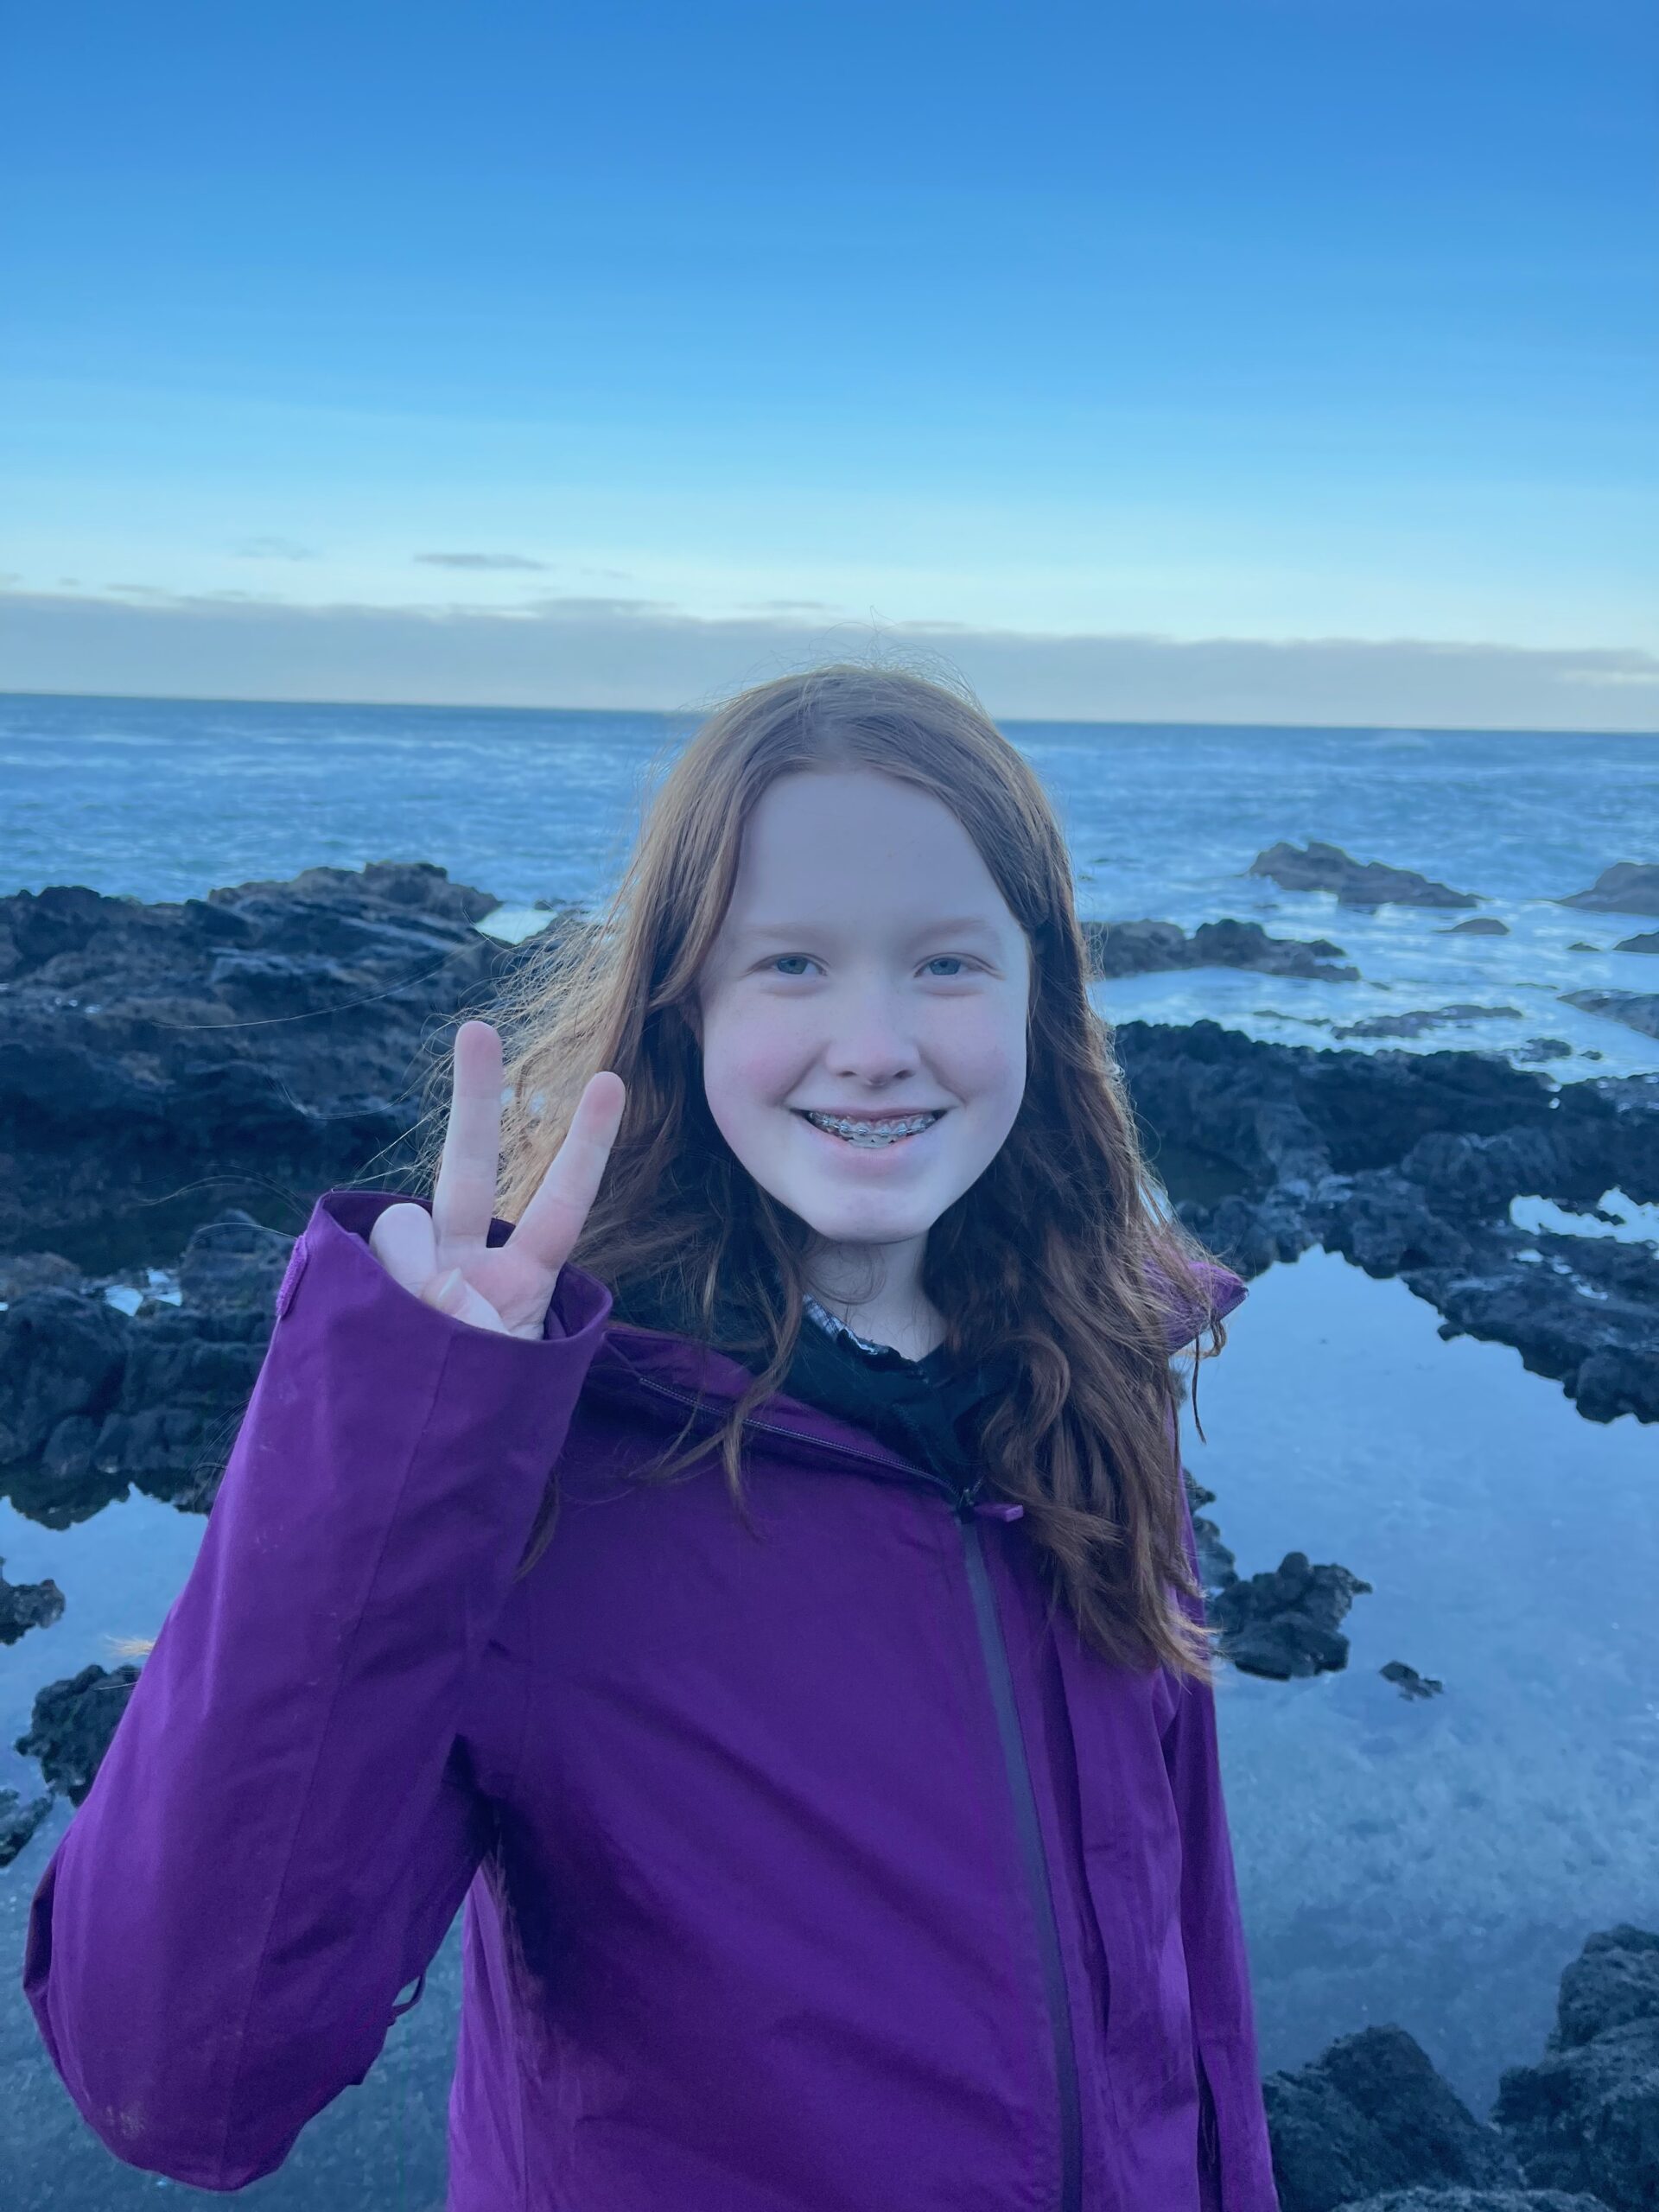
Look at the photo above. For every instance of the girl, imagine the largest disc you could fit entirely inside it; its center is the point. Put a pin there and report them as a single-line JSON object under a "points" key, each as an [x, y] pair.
{"points": [[738, 1550]]}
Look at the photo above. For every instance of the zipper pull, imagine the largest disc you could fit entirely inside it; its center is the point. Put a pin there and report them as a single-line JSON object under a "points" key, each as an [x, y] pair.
{"points": [[970, 1506]]}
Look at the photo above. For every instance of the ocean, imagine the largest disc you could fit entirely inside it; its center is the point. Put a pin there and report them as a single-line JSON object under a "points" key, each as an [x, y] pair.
{"points": [[1434, 1864], [165, 799]]}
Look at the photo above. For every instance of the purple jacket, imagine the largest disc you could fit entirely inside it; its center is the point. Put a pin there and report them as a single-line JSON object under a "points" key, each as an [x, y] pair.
{"points": [[807, 1870]]}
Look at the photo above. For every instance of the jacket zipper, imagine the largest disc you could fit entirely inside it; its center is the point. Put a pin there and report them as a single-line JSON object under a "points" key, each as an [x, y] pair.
{"points": [[1016, 1763], [994, 1645]]}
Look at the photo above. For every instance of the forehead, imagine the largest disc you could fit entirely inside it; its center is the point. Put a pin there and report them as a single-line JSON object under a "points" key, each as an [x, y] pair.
{"points": [[911, 922], [860, 842]]}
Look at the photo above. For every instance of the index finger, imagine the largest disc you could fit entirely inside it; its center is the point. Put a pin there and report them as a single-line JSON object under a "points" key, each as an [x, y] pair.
{"points": [[552, 1222], [463, 1199]]}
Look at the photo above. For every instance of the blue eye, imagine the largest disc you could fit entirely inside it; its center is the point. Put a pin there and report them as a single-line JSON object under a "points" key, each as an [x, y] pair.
{"points": [[950, 959]]}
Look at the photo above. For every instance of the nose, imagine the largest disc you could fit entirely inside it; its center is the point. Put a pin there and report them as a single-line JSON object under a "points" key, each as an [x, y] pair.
{"points": [[869, 1040]]}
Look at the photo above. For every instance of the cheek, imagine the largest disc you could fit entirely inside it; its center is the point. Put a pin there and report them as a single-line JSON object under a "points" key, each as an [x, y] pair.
{"points": [[748, 1067], [984, 1060]]}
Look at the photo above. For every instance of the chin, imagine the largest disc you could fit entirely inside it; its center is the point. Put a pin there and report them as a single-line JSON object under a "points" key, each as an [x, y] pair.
{"points": [[903, 1217]]}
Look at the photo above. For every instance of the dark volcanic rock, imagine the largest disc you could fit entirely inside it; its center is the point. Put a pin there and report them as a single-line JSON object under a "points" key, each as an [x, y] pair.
{"points": [[24, 1605], [1625, 888], [61, 1354], [1283, 1625], [1406, 1163], [1458, 1015], [1371, 2124], [1638, 1010], [1476, 2200], [22, 1272], [158, 1061], [1280, 1624], [1148, 947], [72, 1724], [1411, 1684], [161, 1411], [1370, 2114], [1357, 883], [18, 1822], [1587, 2115]]}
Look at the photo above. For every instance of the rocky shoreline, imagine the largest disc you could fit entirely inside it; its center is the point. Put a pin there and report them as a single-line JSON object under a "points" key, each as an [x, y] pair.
{"points": [[1407, 1163], [178, 1082], [255, 1047], [268, 1040]]}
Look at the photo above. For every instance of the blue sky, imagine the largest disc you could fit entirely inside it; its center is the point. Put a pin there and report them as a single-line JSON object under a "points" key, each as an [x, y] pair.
{"points": [[533, 352]]}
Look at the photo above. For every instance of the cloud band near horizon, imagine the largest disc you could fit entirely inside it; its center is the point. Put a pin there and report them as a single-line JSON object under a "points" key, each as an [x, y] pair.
{"points": [[648, 656]]}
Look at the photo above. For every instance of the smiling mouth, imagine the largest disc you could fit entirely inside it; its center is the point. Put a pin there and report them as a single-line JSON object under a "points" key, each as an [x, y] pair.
{"points": [[869, 1135]]}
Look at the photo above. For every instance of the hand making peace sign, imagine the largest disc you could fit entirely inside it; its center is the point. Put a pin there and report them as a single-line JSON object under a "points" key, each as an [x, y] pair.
{"points": [[508, 1287]]}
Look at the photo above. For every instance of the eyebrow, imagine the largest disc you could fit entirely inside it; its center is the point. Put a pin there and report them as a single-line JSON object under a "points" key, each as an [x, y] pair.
{"points": [[952, 925]]}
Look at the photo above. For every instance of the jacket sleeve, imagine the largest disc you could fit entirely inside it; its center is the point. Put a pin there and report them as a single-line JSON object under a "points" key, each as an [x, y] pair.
{"points": [[1235, 2158], [285, 1823]]}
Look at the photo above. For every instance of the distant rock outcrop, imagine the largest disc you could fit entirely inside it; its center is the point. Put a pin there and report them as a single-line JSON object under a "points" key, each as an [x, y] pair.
{"points": [[1149, 948], [1638, 1010], [1412, 1025], [1629, 888], [1318, 866]]}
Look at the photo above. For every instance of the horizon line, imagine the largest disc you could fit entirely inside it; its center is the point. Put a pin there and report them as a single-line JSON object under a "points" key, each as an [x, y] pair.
{"points": [[697, 714]]}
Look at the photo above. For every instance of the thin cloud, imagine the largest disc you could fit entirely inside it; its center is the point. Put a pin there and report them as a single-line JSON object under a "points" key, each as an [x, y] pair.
{"points": [[273, 549], [520, 563], [611, 651], [1622, 668], [481, 561]]}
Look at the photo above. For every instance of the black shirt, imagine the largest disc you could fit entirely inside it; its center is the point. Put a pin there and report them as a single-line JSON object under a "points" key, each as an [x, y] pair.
{"points": [[927, 1410]]}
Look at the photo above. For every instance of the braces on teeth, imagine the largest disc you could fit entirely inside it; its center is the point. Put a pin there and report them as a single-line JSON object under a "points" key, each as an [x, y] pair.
{"points": [[872, 1133]]}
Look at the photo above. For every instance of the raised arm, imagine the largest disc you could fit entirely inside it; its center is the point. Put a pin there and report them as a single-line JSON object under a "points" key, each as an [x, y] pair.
{"points": [[287, 1817]]}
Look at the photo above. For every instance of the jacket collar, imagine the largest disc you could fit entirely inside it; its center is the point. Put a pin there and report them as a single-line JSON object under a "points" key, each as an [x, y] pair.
{"points": [[664, 1364]]}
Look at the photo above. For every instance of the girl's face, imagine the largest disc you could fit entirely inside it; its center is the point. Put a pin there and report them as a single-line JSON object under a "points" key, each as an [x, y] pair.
{"points": [[867, 966]]}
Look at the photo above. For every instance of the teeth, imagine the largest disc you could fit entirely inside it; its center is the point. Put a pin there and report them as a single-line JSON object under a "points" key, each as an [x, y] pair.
{"points": [[872, 1132]]}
